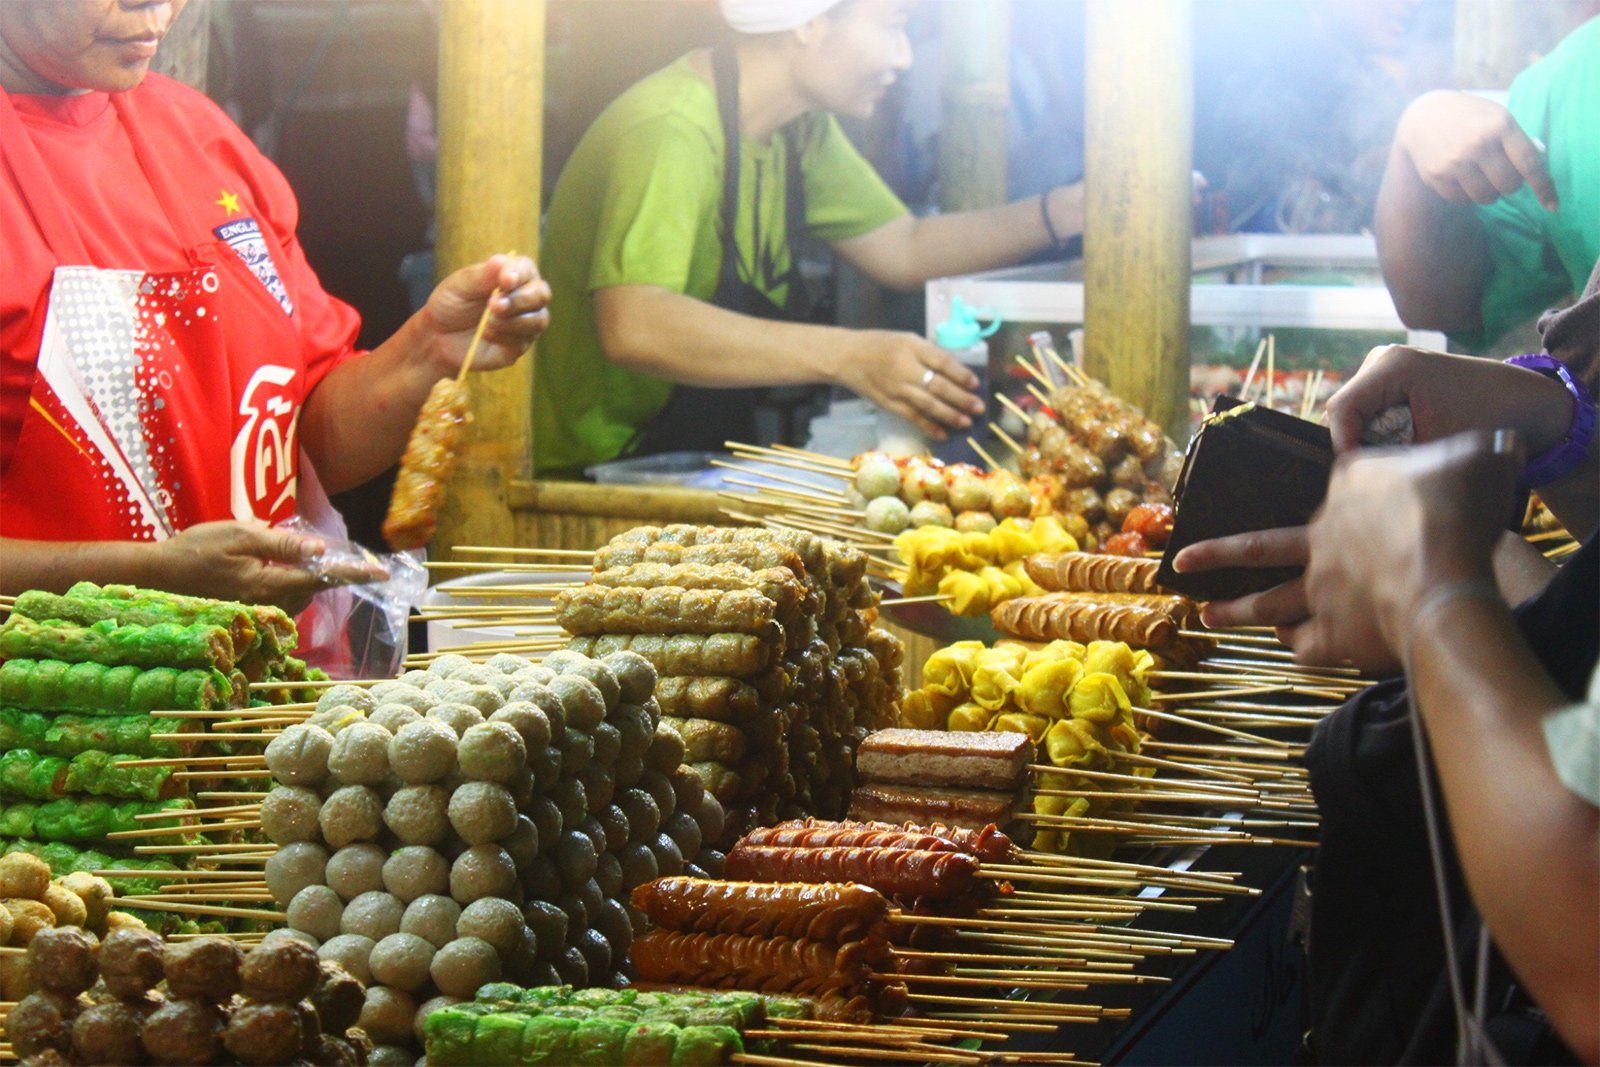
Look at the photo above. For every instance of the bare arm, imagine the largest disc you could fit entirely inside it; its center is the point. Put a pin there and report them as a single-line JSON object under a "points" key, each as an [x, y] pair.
{"points": [[908, 251], [667, 335], [356, 422], [1451, 150], [231, 560], [1483, 694]]}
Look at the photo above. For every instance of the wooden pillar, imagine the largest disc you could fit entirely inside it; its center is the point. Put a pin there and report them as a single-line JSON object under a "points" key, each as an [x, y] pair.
{"points": [[186, 50], [1138, 157], [491, 131], [1489, 49], [977, 100]]}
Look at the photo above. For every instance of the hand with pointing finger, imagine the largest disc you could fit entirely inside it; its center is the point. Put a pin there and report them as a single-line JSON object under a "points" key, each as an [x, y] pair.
{"points": [[1469, 149]]}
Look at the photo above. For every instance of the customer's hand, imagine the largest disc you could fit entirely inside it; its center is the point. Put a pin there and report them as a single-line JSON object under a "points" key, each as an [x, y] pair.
{"points": [[1448, 395], [916, 380], [1282, 606], [1470, 150], [1396, 525]]}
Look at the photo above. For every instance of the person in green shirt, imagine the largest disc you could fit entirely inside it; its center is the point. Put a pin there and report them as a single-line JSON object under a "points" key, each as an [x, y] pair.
{"points": [[1489, 214], [669, 243]]}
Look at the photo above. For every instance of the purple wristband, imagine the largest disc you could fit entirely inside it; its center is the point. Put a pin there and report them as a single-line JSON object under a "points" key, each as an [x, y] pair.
{"points": [[1560, 460]]}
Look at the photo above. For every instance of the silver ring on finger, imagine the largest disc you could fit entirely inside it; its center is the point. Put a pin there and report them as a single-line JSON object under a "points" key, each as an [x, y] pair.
{"points": [[927, 377]]}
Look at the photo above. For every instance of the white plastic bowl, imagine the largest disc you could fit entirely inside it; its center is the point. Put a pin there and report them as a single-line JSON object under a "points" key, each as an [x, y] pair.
{"points": [[444, 633]]}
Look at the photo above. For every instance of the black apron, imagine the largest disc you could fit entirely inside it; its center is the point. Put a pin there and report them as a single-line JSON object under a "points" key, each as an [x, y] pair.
{"points": [[1376, 966], [700, 419]]}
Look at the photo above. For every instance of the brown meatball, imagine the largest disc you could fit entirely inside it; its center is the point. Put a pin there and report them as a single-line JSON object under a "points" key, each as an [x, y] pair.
{"points": [[62, 960], [42, 1021], [264, 1033], [48, 1058], [338, 998], [130, 962], [284, 971], [24, 875], [108, 1034], [28, 917], [335, 1052], [206, 968], [14, 980], [184, 1031]]}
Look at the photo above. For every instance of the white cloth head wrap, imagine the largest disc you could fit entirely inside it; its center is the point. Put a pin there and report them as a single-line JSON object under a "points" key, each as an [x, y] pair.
{"points": [[771, 16]]}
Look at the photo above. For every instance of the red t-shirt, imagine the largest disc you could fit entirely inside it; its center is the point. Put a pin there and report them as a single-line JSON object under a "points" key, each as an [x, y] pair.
{"points": [[89, 156]]}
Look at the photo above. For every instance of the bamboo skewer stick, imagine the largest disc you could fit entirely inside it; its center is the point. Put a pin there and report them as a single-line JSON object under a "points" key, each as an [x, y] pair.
{"points": [[808, 489], [220, 772], [1244, 389], [1015, 408], [1167, 716], [190, 813], [582, 553], [1232, 792], [204, 909], [790, 452], [972, 442], [175, 831], [1051, 1008], [1006, 439], [1034, 372]]}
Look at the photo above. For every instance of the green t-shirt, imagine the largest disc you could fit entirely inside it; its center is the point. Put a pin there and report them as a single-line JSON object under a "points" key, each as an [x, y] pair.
{"points": [[1539, 258], [639, 204]]}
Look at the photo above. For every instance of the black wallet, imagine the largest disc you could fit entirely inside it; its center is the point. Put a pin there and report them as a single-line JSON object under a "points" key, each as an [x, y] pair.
{"points": [[1248, 468]]}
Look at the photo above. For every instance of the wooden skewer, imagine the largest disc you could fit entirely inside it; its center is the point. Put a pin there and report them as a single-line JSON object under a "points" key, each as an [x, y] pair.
{"points": [[1040, 396], [992, 974], [12, 950], [203, 909], [1167, 716], [1165, 764], [1005, 957], [808, 489], [1177, 746], [183, 831], [1034, 372], [1272, 375], [1015, 408], [204, 887], [790, 452], [569, 553], [1050, 1008], [911, 1050], [1244, 390], [221, 772], [981, 451], [267, 736], [222, 713], [1134, 779], [930, 598], [265, 849], [229, 795], [910, 1027], [196, 761], [791, 464], [1005, 438]]}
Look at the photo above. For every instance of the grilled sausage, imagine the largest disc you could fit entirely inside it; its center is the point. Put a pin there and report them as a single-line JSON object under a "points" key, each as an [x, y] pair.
{"points": [[1089, 572], [425, 468], [818, 912], [895, 872]]}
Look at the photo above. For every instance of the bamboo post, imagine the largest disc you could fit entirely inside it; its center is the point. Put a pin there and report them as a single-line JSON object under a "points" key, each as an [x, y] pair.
{"points": [[491, 123], [1138, 157], [977, 98]]}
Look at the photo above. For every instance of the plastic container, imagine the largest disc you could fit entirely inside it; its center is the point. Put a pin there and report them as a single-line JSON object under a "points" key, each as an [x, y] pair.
{"points": [[966, 340], [849, 428], [443, 633], [667, 468]]}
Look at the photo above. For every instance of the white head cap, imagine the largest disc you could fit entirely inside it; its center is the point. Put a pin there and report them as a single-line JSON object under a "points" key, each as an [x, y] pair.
{"points": [[772, 16]]}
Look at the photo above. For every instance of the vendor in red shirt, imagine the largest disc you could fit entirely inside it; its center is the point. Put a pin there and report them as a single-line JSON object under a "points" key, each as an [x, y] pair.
{"points": [[173, 377]]}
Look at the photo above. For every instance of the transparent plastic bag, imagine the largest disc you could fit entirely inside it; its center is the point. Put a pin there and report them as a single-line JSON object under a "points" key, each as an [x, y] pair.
{"points": [[357, 627]]}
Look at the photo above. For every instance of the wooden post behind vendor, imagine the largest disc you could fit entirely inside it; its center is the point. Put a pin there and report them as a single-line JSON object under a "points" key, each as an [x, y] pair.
{"points": [[668, 242], [166, 353]]}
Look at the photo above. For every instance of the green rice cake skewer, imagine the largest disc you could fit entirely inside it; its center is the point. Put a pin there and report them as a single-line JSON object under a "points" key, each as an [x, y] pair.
{"points": [[162, 645]]}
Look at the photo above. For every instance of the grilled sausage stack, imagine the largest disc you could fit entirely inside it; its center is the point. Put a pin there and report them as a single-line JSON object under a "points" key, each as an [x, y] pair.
{"points": [[771, 668]]}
